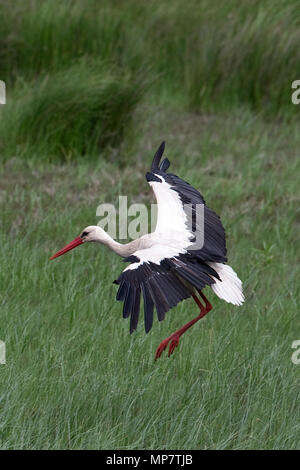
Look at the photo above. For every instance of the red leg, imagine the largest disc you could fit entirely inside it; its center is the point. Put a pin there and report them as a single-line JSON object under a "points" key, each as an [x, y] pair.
{"points": [[174, 338], [208, 305]]}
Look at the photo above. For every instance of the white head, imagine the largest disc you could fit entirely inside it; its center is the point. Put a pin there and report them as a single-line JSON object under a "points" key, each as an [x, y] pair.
{"points": [[92, 233]]}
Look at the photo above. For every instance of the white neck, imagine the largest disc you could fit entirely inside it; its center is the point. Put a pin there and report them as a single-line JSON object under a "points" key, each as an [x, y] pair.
{"points": [[100, 236], [118, 248]]}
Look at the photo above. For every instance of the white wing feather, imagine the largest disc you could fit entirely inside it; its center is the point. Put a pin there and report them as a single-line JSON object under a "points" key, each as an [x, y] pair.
{"points": [[170, 212]]}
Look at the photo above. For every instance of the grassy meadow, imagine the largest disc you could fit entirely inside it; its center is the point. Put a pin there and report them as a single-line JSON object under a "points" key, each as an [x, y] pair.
{"points": [[92, 89]]}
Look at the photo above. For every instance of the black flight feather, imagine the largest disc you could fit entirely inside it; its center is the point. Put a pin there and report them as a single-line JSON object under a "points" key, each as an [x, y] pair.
{"points": [[121, 294], [135, 311], [128, 302], [164, 165], [157, 157], [148, 308]]}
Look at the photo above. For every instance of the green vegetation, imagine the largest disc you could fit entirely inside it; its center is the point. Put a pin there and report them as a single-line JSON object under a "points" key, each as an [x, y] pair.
{"points": [[92, 89], [75, 112], [205, 56]]}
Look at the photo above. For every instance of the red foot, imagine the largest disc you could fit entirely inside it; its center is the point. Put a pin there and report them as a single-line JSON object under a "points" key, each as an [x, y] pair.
{"points": [[174, 338], [174, 343]]}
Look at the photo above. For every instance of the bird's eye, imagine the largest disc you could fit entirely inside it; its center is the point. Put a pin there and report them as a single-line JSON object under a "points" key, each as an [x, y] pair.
{"points": [[84, 234]]}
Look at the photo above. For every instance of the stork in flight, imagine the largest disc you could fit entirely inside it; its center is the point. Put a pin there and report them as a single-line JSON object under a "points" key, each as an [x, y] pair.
{"points": [[166, 266]]}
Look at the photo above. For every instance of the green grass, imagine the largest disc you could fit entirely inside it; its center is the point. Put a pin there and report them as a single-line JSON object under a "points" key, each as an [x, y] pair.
{"points": [[92, 89], [74, 376], [202, 56], [77, 111]]}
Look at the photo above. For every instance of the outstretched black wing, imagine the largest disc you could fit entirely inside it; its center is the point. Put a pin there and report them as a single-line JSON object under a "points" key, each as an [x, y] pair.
{"points": [[165, 275], [214, 242], [163, 285]]}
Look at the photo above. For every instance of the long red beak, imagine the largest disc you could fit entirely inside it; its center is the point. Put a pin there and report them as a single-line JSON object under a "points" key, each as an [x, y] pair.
{"points": [[76, 242]]}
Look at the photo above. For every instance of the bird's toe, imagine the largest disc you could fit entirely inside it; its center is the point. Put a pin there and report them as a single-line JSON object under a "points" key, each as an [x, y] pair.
{"points": [[173, 345], [161, 348]]}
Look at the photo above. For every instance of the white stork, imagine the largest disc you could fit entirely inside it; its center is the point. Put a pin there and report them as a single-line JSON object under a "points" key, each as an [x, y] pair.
{"points": [[166, 266]]}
